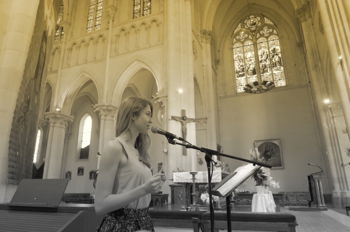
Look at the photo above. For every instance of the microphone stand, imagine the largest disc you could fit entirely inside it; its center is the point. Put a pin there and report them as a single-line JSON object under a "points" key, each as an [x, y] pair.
{"points": [[208, 159]]}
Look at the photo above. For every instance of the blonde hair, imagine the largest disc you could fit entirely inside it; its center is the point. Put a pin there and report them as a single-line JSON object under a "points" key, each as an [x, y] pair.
{"points": [[130, 107]]}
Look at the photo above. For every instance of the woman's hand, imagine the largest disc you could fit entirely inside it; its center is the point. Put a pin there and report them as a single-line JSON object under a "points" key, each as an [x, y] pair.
{"points": [[154, 184]]}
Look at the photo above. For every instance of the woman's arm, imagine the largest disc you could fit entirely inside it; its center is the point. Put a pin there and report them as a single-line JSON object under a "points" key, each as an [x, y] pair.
{"points": [[105, 201]]}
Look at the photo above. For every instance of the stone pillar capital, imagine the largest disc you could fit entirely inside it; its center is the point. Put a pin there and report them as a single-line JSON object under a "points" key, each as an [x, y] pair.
{"points": [[160, 98], [161, 101], [304, 12], [106, 111], [58, 119], [43, 123], [206, 36]]}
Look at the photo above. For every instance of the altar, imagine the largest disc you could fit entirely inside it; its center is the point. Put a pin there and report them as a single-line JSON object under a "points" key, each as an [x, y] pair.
{"points": [[188, 186]]}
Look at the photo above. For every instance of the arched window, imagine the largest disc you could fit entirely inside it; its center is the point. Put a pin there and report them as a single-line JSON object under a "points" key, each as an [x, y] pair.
{"points": [[85, 136], [257, 52], [94, 15], [37, 147], [141, 8], [59, 30]]}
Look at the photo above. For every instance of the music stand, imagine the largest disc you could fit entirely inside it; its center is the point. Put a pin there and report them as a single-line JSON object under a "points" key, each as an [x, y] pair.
{"points": [[230, 183]]}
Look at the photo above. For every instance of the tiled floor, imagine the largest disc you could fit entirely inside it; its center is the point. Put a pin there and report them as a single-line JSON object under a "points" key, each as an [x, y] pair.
{"points": [[321, 221], [332, 220]]}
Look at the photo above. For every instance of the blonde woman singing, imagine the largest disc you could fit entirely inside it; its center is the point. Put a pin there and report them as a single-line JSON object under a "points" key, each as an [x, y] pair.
{"points": [[125, 181]]}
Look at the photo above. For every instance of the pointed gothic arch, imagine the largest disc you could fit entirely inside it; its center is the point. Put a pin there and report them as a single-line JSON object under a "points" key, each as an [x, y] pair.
{"points": [[67, 96], [125, 77], [131, 90], [213, 6], [81, 145]]}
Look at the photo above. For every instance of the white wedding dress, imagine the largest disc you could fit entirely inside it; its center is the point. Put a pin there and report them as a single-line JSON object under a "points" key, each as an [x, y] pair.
{"points": [[263, 200]]}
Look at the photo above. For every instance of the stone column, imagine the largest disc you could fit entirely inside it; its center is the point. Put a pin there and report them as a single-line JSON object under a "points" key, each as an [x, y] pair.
{"points": [[210, 88], [110, 13], [336, 24], [57, 99], [180, 88], [317, 90], [16, 29], [58, 124], [107, 115], [333, 117], [336, 155]]}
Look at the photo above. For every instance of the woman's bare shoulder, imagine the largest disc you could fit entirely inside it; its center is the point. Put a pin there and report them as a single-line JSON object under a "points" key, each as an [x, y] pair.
{"points": [[114, 144], [113, 147]]}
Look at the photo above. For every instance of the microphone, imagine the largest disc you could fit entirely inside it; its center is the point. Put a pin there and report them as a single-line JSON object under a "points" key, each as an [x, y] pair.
{"points": [[170, 136]]}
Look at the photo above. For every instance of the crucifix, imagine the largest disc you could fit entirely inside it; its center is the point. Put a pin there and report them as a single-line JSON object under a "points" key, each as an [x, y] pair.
{"points": [[183, 119]]}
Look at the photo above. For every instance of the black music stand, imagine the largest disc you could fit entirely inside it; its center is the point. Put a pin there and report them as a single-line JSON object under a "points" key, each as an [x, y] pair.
{"points": [[230, 183]]}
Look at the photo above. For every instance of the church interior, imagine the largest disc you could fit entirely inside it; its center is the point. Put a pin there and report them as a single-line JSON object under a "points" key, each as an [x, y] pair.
{"points": [[240, 77]]}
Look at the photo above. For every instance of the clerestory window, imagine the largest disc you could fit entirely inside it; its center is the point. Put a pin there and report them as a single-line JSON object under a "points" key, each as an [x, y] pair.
{"points": [[141, 8], [59, 30], [94, 19], [257, 53]]}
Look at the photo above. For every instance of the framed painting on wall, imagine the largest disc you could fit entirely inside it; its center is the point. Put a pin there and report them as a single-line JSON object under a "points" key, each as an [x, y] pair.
{"points": [[271, 151], [80, 171], [68, 175], [93, 174]]}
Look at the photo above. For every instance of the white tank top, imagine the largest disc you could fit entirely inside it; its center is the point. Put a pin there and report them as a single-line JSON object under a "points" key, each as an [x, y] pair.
{"points": [[131, 174]]}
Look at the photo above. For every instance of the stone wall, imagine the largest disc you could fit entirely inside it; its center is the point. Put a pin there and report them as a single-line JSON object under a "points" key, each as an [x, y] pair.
{"points": [[25, 117]]}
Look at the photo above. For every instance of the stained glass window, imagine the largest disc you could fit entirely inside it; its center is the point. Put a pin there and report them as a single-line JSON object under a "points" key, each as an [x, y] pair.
{"points": [[147, 7], [94, 15], [257, 53], [141, 8], [59, 31]]}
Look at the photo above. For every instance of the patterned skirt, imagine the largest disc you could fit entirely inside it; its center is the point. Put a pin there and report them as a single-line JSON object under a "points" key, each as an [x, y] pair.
{"points": [[126, 220]]}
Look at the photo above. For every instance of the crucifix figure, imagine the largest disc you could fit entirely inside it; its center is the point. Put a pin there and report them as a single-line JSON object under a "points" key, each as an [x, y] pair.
{"points": [[183, 119]]}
